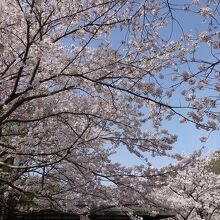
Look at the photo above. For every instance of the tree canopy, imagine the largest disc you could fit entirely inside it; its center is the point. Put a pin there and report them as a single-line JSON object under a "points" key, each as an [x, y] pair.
{"points": [[193, 192], [71, 95]]}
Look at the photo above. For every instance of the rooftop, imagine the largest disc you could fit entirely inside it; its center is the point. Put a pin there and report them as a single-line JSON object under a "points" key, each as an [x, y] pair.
{"points": [[109, 213]]}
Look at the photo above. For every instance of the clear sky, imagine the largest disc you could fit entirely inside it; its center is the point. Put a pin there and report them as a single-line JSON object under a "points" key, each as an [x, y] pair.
{"points": [[188, 141]]}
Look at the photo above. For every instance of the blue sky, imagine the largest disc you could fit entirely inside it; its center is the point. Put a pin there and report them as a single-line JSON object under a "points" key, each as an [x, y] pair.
{"points": [[188, 141]]}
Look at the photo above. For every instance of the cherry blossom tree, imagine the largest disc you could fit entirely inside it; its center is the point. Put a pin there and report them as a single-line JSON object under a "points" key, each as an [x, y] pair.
{"points": [[194, 192], [70, 96]]}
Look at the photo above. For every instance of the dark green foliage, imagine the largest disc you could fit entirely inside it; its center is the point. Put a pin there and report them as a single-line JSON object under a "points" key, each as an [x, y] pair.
{"points": [[215, 163]]}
